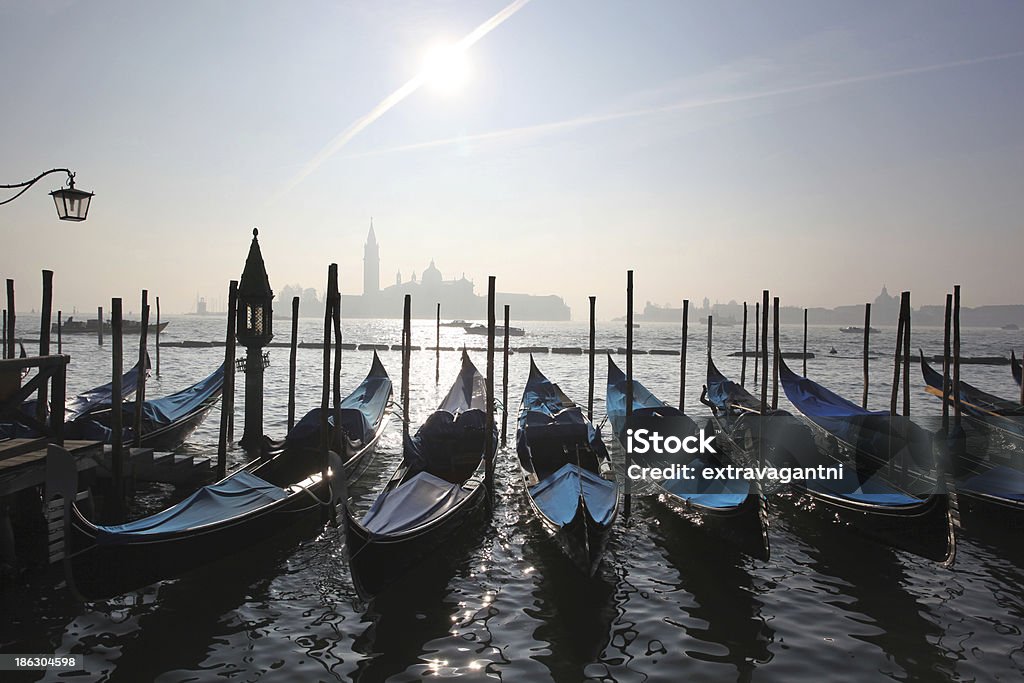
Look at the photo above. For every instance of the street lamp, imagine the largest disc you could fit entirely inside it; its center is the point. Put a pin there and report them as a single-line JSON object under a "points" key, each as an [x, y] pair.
{"points": [[72, 204]]}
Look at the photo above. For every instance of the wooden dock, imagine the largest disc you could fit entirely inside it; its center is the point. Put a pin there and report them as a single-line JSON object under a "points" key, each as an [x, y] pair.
{"points": [[23, 461]]}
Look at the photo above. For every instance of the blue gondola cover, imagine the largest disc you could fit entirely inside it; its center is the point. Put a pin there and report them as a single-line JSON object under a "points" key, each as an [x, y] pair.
{"points": [[558, 496]]}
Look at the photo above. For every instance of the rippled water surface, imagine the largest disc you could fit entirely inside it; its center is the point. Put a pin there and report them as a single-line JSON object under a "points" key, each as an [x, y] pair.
{"points": [[668, 604]]}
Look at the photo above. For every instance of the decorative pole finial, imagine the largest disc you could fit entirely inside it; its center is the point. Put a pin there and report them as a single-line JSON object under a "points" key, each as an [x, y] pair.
{"points": [[255, 232]]}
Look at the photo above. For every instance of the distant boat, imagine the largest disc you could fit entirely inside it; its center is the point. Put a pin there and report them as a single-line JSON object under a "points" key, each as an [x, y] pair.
{"points": [[1011, 327], [72, 326], [856, 330], [457, 323], [634, 324], [499, 330]]}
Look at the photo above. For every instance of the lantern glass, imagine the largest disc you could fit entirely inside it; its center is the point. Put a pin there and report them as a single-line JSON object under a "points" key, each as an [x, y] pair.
{"points": [[72, 204]]}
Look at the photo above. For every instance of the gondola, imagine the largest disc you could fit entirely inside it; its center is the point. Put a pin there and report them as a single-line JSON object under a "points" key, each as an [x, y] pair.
{"points": [[438, 490], [566, 471], [732, 509], [360, 419], [990, 484], [862, 499], [282, 492], [74, 407], [167, 422], [981, 407]]}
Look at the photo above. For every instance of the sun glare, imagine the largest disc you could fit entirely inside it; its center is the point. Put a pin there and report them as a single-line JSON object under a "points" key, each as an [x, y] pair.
{"points": [[445, 68]]}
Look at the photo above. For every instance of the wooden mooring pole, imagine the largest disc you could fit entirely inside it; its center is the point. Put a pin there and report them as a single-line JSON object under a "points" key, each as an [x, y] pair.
{"points": [[437, 346], [906, 358], [946, 363], [590, 371], [776, 353], [489, 469], [116, 416], [99, 325], [140, 390], [867, 351], [292, 358], [764, 352], [957, 408], [743, 349], [325, 388], [60, 325], [898, 356], [683, 342], [504, 383], [44, 339], [757, 340], [11, 320], [3, 350], [226, 399], [157, 337], [406, 358], [629, 378]]}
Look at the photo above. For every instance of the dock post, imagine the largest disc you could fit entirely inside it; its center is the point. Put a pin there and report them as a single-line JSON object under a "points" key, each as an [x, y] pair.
{"points": [[757, 339], [776, 353], [805, 342], [11, 317], [437, 346], [60, 325], [683, 341], [489, 469], [957, 408], [140, 391], [292, 362], [764, 351], [117, 416], [906, 358], [325, 390], [894, 396], [44, 339], [99, 325], [504, 384], [156, 341], [3, 348], [335, 294], [743, 349], [226, 400], [406, 358], [590, 376], [946, 364], [867, 349], [629, 378]]}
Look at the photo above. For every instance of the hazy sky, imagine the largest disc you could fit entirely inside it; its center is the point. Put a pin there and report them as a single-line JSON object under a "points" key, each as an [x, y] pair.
{"points": [[816, 148]]}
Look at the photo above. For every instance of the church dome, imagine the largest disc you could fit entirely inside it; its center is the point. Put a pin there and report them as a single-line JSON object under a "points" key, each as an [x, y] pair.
{"points": [[431, 276]]}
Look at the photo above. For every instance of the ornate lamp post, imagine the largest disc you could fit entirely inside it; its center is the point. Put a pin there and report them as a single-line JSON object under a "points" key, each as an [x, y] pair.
{"points": [[254, 331], [72, 204]]}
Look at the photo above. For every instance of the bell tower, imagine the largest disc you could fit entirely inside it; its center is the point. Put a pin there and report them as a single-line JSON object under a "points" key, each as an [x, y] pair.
{"points": [[371, 264]]}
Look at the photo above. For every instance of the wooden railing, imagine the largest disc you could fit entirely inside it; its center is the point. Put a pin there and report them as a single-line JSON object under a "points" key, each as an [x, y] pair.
{"points": [[52, 370]]}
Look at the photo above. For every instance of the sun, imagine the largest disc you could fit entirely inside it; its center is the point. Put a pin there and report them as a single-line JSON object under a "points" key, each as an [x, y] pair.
{"points": [[445, 68]]}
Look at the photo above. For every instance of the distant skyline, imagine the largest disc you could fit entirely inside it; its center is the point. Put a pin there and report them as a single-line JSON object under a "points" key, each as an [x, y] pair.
{"points": [[820, 149]]}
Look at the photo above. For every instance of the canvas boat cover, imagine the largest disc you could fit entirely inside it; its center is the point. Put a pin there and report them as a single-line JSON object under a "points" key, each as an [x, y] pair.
{"points": [[558, 496], [171, 408], [361, 411], [873, 490], [100, 397], [724, 394], [415, 502], [237, 495], [1000, 481], [469, 390], [877, 433], [714, 493]]}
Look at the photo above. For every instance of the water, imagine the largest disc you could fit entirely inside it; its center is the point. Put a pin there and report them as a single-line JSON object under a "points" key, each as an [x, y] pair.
{"points": [[668, 603]]}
